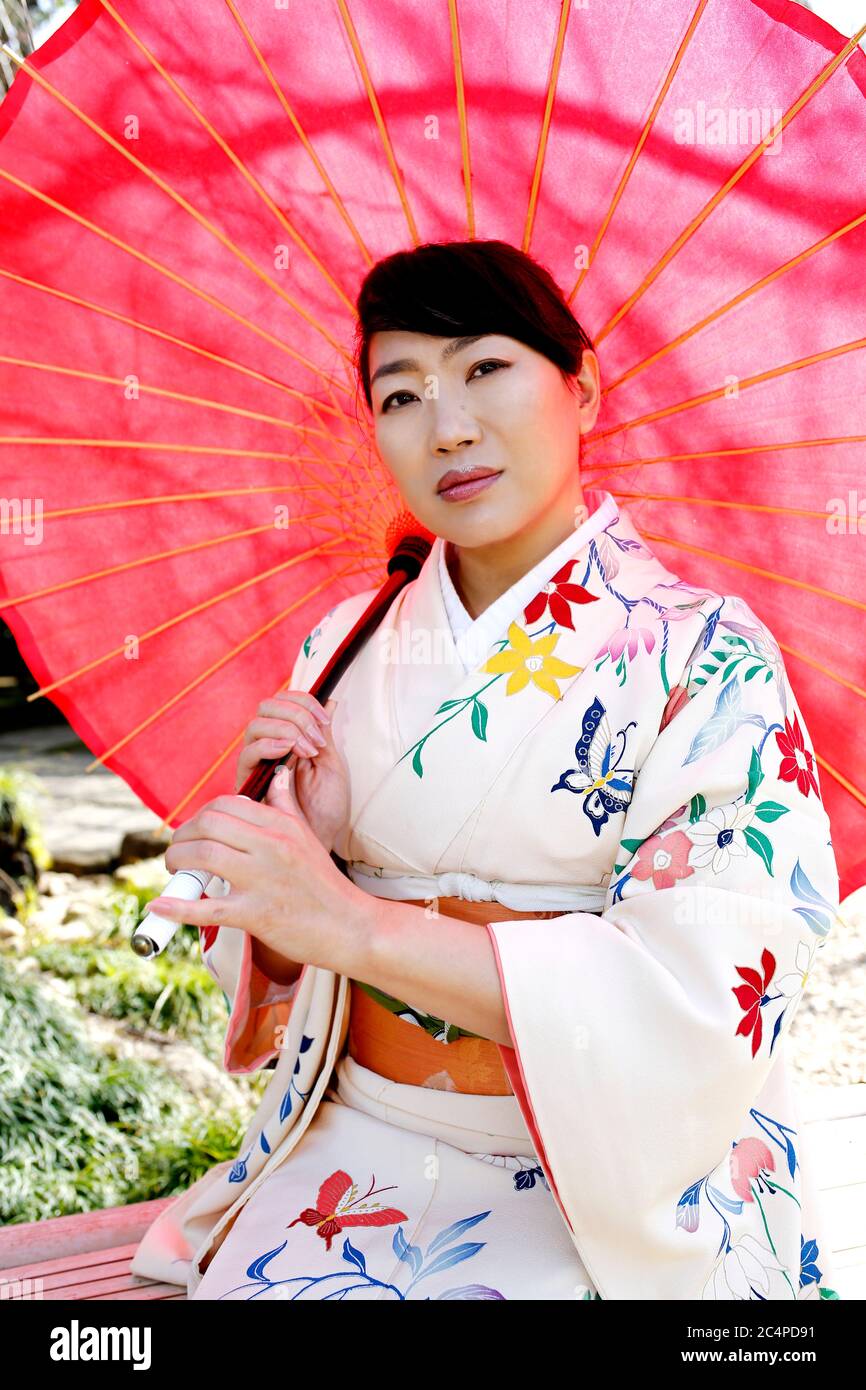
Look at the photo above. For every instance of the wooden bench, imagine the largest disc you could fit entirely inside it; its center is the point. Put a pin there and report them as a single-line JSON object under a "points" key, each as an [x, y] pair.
{"points": [[88, 1256]]}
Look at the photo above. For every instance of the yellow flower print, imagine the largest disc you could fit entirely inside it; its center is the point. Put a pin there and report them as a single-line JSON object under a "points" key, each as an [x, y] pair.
{"points": [[529, 660]]}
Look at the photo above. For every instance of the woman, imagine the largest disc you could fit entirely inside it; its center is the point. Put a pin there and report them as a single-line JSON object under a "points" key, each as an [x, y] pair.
{"points": [[532, 1045]]}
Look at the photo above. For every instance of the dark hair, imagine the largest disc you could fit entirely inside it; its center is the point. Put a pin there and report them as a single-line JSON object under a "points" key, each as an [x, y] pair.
{"points": [[451, 288]]}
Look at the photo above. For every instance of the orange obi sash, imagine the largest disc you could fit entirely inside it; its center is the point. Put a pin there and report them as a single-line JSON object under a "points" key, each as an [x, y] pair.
{"points": [[402, 1051]]}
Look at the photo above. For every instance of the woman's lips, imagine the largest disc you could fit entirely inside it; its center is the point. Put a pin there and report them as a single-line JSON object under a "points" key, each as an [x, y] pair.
{"points": [[462, 490]]}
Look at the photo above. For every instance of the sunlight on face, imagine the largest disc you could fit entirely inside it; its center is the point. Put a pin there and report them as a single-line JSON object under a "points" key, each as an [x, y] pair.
{"points": [[489, 401]]}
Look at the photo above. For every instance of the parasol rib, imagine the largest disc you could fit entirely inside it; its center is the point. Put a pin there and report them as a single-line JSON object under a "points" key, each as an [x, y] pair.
{"points": [[183, 203], [751, 158], [825, 670], [642, 139], [142, 327], [169, 274], [460, 93], [704, 454], [553, 78], [717, 502], [379, 118], [843, 781], [166, 392], [63, 585], [221, 757], [756, 569], [737, 299], [208, 671], [179, 618], [743, 383], [301, 134], [230, 154]]}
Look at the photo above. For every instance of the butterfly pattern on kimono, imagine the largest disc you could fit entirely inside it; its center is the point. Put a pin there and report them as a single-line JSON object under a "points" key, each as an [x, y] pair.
{"points": [[605, 786], [339, 1207]]}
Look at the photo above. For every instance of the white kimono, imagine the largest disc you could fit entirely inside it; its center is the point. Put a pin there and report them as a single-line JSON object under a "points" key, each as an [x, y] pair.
{"points": [[612, 743]]}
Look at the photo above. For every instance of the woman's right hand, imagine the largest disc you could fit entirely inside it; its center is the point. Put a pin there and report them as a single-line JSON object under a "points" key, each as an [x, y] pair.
{"points": [[294, 720]]}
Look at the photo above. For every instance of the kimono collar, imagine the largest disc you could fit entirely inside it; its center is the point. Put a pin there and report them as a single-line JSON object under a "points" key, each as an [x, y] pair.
{"points": [[473, 637]]}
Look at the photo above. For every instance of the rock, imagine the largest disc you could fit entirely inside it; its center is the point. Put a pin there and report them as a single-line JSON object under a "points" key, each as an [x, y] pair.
{"points": [[11, 929], [142, 844], [145, 874]]}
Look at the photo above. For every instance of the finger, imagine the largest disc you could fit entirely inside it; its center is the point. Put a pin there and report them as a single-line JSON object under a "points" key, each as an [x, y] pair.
{"points": [[331, 706], [272, 749], [229, 911], [209, 855], [235, 807], [263, 750], [281, 791], [301, 699], [280, 724]]}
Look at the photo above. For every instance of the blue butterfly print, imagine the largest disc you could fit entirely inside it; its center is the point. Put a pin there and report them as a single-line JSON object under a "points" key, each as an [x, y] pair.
{"points": [[606, 787]]}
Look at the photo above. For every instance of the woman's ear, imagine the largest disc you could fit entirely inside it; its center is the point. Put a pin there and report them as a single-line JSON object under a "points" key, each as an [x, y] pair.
{"points": [[588, 390]]}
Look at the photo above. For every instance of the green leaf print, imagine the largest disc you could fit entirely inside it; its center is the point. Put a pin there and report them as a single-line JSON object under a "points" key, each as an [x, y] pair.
{"points": [[756, 776], [770, 810], [757, 841], [697, 807], [479, 720]]}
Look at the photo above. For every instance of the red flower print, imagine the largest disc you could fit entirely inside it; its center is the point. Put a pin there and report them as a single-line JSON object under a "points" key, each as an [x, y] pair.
{"points": [[747, 1159], [664, 858], [797, 764], [751, 996], [558, 595], [332, 1212]]}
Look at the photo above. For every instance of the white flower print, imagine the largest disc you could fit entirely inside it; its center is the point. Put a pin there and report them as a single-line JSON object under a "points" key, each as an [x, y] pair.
{"points": [[720, 835], [794, 982], [745, 1267]]}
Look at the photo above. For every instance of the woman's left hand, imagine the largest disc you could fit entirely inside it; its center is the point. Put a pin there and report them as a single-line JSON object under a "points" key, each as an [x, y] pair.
{"points": [[285, 888]]}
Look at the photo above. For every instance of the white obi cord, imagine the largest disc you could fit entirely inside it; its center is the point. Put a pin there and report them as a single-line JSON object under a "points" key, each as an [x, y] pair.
{"points": [[520, 897]]}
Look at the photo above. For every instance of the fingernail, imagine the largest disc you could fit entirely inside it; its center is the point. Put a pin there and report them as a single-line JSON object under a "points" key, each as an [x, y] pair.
{"points": [[318, 737], [307, 747]]}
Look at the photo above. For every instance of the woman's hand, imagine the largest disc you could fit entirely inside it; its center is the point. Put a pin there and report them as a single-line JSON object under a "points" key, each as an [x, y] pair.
{"points": [[294, 719], [285, 888]]}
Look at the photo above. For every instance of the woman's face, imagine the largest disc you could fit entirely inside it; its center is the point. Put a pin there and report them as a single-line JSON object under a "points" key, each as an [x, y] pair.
{"points": [[488, 402]]}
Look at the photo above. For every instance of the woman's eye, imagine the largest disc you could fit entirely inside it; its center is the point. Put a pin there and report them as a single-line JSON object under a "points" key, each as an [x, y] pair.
{"points": [[490, 363], [395, 396]]}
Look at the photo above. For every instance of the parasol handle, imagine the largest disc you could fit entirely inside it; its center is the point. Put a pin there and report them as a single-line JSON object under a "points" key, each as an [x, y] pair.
{"points": [[153, 933]]}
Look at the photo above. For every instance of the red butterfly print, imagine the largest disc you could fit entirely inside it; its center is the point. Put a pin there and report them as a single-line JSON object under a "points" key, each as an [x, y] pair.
{"points": [[332, 1212]]}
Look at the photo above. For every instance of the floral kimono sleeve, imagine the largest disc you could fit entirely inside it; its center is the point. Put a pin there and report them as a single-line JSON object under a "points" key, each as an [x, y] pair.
{"points": [[643, 1037]]}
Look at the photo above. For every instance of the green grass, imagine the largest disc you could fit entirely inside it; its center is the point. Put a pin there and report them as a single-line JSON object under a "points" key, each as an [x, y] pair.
{"points": [[178, 996], [82, 1129]]}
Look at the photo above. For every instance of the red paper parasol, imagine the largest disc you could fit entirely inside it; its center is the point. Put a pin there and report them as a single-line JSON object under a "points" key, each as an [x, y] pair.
{"points": [[191, 196]]}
